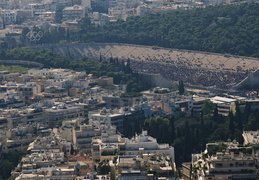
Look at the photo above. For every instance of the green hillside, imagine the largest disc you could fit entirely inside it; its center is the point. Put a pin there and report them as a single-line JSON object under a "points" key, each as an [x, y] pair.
{"points": [[230, 29]]}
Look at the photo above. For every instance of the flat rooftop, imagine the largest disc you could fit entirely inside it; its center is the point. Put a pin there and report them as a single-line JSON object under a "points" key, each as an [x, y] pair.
{"points": [[222, 100]]}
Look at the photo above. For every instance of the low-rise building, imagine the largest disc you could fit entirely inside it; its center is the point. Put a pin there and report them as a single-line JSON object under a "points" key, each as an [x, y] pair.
{"points": [[54, 92], [105, 81], [223, 104], [197, 104]]}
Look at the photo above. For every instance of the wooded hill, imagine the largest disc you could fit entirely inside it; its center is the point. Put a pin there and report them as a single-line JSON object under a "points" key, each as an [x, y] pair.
{"points": [[232, 29]]}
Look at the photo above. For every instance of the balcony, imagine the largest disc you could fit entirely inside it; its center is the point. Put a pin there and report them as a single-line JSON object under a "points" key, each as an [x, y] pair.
{"points": [[242, 171]]}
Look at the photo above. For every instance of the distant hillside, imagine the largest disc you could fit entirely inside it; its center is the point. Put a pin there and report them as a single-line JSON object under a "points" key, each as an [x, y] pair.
{"points": [[230, 29]]}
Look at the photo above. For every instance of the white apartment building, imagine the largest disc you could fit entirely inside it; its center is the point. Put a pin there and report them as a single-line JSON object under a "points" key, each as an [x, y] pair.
{"points": [[144, 144], [109, 117], [30, 89], [40, 72], [225, 165], [82, 137], [9, 16], [47, 153], [106, 147], [12, 118], [66, 130], [146, 166], [110, 145], [121, 13], [62, 111], [37, 9], [223, 104], [49, 173], [73, 12], [56, 73], [61, 83]]}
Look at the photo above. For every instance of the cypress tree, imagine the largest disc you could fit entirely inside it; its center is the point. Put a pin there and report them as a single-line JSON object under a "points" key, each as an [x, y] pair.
{"points": [[181, 88]]}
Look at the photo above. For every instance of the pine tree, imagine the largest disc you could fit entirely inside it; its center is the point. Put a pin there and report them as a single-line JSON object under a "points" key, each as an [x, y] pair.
{"points": [[172, 129], [215, 112], [238, 117], [181, 88], [100, 58], [247, 112]]}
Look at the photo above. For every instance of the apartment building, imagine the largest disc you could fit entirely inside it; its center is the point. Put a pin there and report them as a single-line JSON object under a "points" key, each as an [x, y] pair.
{"points": [[197, 104], [29, 89], [17, 139], [146, 144], [9, 16], [146, 166], [82, 137], [17, 143], [227, 165], [114, 101], [13, 117], [62, 111], [73, 12], [109, 117], [46, 160], [224, 104], [106, 146], [223, 160]]}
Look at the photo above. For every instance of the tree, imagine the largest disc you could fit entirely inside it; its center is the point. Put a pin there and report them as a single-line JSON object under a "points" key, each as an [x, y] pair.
{"points": [[59, 123], [160, 128], [6, 169], [207, 107], [72, 150], [215, 112], [247, 112], [181, 88], [172, 125], [85, 24], [252, 123], [238, 116], [222, 29], [59, 14]]}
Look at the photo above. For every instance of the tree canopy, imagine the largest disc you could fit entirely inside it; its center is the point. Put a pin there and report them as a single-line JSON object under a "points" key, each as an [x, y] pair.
{"points": [[120, 71], [230, 29], [190, 134]]}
